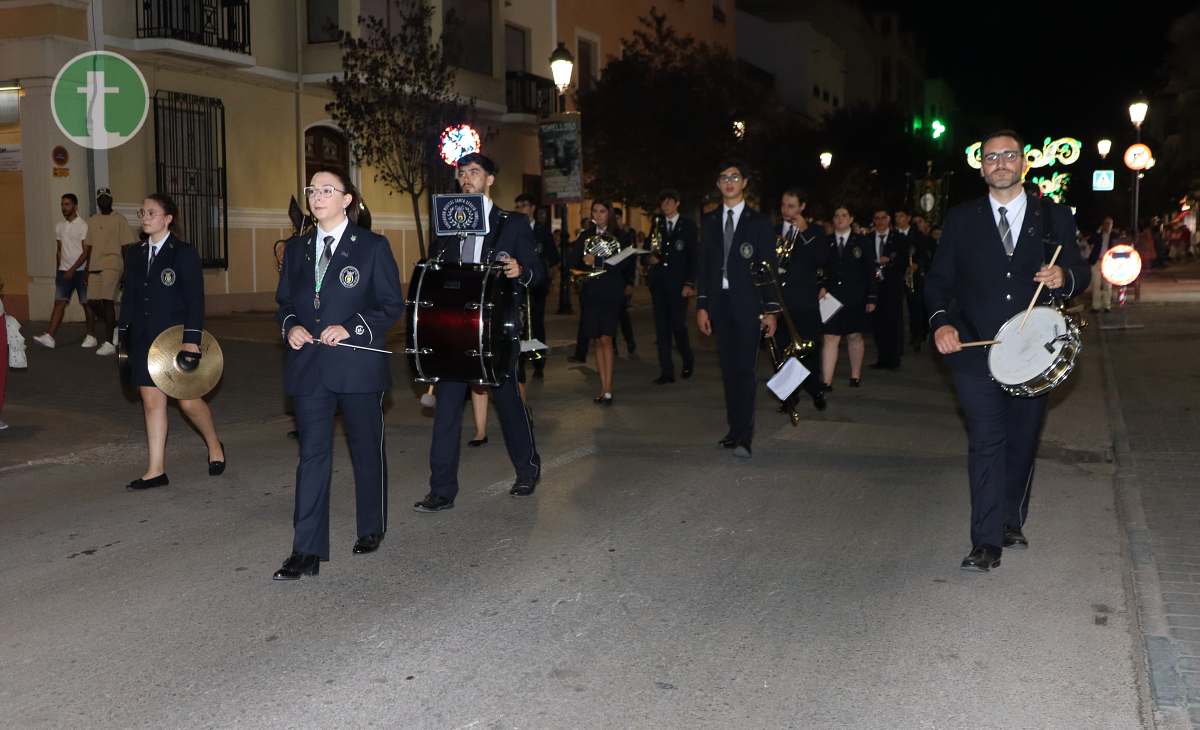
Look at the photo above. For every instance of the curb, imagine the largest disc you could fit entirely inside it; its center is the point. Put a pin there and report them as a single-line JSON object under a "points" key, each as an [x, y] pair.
{"points": [[1162, 695]]}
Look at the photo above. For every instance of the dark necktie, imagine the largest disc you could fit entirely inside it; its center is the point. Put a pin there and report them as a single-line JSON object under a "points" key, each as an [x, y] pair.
{"points": [[670, 227], [1006, 232], [326, 257], [728, 237], [150, 258], [841, 244]]}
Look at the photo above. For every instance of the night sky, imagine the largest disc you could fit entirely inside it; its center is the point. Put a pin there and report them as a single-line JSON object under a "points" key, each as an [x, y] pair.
{"points": [[1061, 69]]}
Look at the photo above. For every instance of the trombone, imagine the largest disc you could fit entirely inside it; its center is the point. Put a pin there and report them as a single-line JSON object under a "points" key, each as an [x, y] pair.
{"points": [[797, 346]]}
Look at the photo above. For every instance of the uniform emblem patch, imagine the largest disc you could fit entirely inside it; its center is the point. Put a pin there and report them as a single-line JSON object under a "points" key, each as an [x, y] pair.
{"points": [[747, 250], [359, 330], [167, 277], [857, 252], [679, 245], [349, 277]]}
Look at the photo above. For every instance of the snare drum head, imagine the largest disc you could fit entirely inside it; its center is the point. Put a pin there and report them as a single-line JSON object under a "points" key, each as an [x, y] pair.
{"points": [[1020, 357]]}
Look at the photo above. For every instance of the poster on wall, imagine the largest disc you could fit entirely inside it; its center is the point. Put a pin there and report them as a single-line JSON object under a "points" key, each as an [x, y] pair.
{"points": [[10, 158], [562, 159]]}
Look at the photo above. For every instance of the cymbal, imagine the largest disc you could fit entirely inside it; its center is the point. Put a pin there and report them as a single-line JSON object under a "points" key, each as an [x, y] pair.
{"points": [[168, 372]]}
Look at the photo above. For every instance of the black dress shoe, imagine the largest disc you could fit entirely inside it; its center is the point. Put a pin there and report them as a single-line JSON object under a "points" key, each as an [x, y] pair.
{"points": [[477, 442], [367, 544], [687, 371], [664, 379], [855, 382], [727, 442], [298, 564], [523, 487], [159, 481], [217, 468], [433, 503], [742, 450], [982, 559], [819, 402], [1014, 539]]}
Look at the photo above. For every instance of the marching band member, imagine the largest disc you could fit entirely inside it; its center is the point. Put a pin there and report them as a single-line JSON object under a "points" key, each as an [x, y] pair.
{"points": [[339, 286], [801, 278], [852, 282], [989, 263], [733, 239], [163, 288], [672, 276]]}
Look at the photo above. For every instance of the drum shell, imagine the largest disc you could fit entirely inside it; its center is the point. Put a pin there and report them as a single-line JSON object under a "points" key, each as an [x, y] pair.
{"points": [[461, 323], [1058, 367]]}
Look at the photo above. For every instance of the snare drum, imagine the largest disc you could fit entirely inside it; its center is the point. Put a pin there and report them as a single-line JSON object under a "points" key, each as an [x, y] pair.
{"points": [[462, 323], [1039, 357]]}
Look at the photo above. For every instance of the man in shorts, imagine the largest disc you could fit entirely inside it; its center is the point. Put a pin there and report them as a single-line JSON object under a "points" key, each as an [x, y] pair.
{"points": [[73, 253], [107, 232]]}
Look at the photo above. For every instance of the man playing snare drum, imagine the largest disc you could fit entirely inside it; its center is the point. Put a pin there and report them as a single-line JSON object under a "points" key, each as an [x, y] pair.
{"points": [[990, 260]]}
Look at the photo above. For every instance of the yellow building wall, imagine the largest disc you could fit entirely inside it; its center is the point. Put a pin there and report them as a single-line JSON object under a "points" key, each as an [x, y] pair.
{"points": [[43, 20]]}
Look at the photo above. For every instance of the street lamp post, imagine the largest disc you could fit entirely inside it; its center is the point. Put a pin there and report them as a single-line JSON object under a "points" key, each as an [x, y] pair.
{"points": [[1137, 115], [1103, 146], [562, 66]]}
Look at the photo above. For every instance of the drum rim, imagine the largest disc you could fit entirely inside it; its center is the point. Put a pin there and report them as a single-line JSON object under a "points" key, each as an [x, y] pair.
{"points": [[993, 352], [416, 326], [1068, 355]]}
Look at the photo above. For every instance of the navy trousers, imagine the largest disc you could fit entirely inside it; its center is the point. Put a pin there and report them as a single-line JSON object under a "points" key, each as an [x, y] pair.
{"points": [[447, 434], [362, 415], [1003, 433], [737, 350], [670, 323]]}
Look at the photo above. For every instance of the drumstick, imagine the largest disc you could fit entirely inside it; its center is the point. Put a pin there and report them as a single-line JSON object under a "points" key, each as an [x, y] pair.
{"points": [[1038, 293], [980, 343], [356, 347]]}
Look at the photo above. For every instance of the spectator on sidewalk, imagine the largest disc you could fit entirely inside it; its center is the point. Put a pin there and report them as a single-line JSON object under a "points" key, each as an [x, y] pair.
{"points": [[71, 276], [107, 232], [1103, 239]]}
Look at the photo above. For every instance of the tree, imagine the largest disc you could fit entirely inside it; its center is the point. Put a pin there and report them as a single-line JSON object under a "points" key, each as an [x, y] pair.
{"points": [[661, 116], [393, 98]]}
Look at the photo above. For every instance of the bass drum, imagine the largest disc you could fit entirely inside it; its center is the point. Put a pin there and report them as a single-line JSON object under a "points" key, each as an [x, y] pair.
{"points": [[463, 323]]}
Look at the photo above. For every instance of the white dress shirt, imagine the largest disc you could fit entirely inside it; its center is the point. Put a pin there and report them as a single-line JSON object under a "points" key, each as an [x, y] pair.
{"points": [[476, 251], [337, 238], [1014, 211]]}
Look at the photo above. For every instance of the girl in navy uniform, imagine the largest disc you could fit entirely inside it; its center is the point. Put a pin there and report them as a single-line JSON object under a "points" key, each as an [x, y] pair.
{"points": [[339, 286], [851, 279], [602, 297], [164, 288]]}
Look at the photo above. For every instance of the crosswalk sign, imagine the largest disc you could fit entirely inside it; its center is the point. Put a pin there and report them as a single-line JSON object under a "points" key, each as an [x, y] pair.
{"points": [[1102, 180]]}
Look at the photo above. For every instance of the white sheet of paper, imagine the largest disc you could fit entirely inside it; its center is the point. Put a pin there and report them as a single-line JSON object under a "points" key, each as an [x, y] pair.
{"points": [[532, 345], [789, 377], [624, 254], [829, 305]]}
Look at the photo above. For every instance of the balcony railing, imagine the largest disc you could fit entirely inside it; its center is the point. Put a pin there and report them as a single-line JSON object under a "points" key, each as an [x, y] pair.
{"points": [[526, 93], [223, 24]]}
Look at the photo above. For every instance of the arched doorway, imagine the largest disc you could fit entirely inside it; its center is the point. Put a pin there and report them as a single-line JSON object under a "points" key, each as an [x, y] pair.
{"points": [[326, 148]]}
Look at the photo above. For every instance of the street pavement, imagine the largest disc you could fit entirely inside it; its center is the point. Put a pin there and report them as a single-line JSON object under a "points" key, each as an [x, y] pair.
{"points": [[652, 581]]}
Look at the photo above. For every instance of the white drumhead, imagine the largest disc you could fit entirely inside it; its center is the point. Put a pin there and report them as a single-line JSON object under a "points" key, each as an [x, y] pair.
{"points": [[1019, 357]]}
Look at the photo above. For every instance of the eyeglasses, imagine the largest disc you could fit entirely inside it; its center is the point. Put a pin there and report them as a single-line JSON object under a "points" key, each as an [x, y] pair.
{"points": [[1006, 155], [144, 214], [321, 193], [730, 178]]}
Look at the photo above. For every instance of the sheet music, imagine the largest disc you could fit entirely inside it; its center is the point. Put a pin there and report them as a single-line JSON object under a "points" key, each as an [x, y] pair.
{"points": [[533, 345], [789, 377], [624, 254], [829, 305]]}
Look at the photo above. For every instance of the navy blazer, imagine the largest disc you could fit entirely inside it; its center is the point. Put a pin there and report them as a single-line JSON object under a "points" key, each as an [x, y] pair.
{"points": [[850, 273], [806, 270], [360, 291], [507, 232], [677, 265], [546, 250], [753, 242], [170, 293], [976, 287]]}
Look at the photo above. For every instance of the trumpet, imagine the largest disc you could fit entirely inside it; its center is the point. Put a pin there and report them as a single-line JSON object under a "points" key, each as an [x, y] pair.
{"points": [[783, 248], [910, 272], [797, 346], [656, 237], [600, 245]]}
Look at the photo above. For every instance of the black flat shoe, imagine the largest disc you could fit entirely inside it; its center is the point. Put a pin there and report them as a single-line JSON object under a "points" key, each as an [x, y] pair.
{"points": [[298, 565], [603, 400], [1014, 539], [982, 559], [478, 442], [217, 468], [159, 481], [663, 380], [367, 544], [819, 402], [854, 383], [433, 503], [827, 387], [687, 372]]}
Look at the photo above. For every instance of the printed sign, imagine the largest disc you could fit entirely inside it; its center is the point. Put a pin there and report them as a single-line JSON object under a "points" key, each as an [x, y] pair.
{"points": [[459, 215]]}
